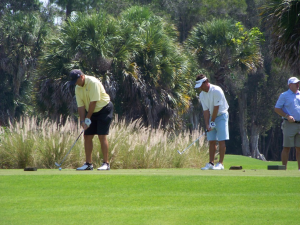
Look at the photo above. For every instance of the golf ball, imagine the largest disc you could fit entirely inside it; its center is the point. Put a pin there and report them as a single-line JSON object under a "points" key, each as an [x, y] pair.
{"points": [[59, 168]]}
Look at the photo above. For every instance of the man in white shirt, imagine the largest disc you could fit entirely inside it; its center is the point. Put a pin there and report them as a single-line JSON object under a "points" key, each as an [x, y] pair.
{"points": [[215, 111]]}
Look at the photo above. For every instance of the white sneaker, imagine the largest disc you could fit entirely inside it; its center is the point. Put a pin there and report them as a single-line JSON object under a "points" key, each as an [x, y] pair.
{"points": [[208, 166], [218, 166], [105, 166], [86, 166]]}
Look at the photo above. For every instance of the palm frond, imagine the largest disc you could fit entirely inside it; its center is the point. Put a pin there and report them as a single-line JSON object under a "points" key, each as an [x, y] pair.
{"points": [[283, 20]]}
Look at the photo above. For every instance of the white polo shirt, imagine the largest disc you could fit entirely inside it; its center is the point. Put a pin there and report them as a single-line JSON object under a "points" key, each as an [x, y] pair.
{"points": [[214, 97]]}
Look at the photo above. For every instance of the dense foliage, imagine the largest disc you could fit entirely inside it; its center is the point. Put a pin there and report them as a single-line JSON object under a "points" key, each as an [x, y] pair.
{"points": [[147, 53], [283, 19]]}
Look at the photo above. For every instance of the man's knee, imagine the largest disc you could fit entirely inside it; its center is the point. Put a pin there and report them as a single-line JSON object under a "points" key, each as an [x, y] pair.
{"points": [[102, 137], [222, 145], [88, 137]]}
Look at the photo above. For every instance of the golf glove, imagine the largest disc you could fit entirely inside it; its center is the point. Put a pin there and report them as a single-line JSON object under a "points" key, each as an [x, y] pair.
{"points": [[87, 121], [212, 125]]}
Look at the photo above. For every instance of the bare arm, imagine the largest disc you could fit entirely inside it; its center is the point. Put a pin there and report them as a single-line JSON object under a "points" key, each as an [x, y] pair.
{"points": [[206, 119], [81, 112], [215, 113], [92, 107], [280, 112]]}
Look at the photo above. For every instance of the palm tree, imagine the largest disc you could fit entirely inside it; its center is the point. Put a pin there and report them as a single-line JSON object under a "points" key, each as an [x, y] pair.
{"points": [[137, 57], [155, 73], [221, 45], [84, 42], [230, 53], [21, 39], [282, 19]]}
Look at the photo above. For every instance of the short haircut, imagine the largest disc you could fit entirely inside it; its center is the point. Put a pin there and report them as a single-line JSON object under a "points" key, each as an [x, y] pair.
{"points": [[201, 76]]}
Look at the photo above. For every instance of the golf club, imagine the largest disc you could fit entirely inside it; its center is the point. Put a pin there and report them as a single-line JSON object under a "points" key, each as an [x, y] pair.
{"points": [[190, 145], [68, 151], [88, 123]]}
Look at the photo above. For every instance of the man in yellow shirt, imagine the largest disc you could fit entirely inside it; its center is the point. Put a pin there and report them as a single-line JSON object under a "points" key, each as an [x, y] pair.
{"points": [[94, 106]]}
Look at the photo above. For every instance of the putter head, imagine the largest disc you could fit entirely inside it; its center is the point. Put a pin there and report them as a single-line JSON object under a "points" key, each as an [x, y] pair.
{"points": [[179, 152], [56, 164]]}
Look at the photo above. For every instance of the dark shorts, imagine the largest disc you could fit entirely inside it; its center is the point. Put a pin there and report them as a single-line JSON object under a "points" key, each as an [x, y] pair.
{"points": [[101, 121]]}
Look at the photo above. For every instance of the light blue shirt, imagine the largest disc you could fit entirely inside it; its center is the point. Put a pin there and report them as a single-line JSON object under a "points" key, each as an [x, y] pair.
{"points": [[289, 102]]}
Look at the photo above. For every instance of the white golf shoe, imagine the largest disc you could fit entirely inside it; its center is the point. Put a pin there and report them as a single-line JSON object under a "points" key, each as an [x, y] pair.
{"points": [[105, 166], [208, 166], [86, 166], [218, 166]]}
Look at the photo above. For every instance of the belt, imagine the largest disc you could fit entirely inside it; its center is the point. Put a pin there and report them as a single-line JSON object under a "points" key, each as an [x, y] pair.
{"points": [[294, 122]]}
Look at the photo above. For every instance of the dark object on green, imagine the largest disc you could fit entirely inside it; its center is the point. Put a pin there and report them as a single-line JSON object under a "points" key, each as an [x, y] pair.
{"points": [[30, 169], [236, 168], [277, 167]]}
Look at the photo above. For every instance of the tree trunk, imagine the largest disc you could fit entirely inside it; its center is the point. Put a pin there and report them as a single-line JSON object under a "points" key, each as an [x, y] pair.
{"points": [[242, 100], [254, 141], [252, 14], [270, 140], [69, 9]]}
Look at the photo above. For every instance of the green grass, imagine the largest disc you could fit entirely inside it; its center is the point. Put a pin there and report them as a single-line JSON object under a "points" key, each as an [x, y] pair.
{"points": [[253, 195], [254, 164]]}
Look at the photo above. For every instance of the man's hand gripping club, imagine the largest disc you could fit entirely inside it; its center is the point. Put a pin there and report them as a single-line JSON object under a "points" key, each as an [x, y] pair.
{"points": [[86, 123], [212, 125]]}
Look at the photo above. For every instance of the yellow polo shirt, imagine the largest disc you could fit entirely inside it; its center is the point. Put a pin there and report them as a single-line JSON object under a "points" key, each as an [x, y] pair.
{"points": [[91, 91]]}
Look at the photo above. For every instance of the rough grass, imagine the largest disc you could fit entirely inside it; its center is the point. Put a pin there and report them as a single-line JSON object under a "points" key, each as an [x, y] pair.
{"points": [[32, 143]]}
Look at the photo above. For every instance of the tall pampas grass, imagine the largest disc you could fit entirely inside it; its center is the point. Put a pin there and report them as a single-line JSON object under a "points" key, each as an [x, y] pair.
{"points": [[33, 143]]}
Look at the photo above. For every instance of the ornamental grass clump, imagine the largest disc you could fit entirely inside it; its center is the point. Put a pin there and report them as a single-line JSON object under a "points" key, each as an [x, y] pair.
{"points": [[136, 146], [17, 144], [32, 143]]}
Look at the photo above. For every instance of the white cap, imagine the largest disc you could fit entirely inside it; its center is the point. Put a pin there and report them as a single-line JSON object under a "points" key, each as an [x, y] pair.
{"points": [[200, 82], [293, 80]]}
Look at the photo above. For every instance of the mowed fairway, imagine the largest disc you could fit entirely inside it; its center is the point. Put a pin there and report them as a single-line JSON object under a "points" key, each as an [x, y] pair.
{"points": [[156, 196]]}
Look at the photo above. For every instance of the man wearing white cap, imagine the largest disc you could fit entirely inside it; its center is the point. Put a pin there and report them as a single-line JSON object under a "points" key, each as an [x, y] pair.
{"points": [[215, 111], [288, 106]]}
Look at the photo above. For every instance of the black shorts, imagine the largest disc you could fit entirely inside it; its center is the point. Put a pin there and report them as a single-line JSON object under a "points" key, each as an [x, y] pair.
{"points": [[101, 121]]}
